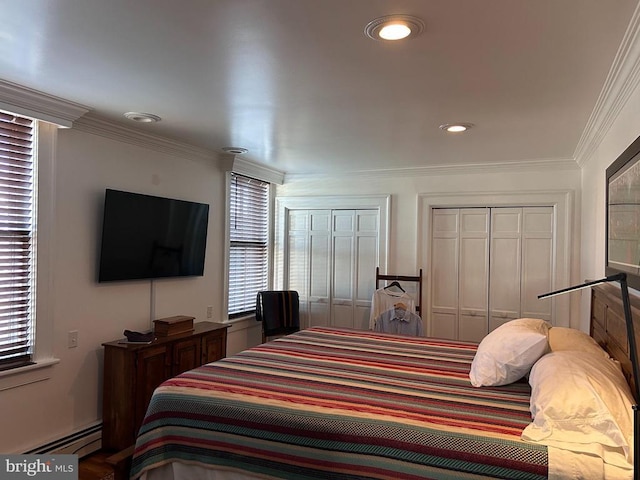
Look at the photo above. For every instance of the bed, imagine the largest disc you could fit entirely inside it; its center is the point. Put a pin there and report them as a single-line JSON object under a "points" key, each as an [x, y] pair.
{"points": [[348, 404]]}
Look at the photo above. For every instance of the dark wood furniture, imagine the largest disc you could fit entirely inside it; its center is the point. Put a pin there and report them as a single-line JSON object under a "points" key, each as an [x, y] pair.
{"points": [[133, 371], [608, 325]]}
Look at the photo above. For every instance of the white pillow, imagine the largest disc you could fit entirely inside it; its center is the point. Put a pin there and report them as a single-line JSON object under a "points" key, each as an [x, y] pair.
{"points": [[562, 338], [508, 353], [581, 402]]}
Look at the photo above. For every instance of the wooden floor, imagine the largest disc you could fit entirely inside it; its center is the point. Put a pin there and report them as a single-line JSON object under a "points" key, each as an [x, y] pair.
{"points": [[95, 467]]}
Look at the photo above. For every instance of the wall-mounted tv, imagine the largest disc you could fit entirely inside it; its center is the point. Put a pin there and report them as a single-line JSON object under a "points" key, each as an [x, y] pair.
{"points": [[623, 215], [146, 237]]}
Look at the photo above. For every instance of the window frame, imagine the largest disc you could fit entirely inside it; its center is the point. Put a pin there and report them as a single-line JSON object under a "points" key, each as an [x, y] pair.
{"points": [[19, 184], [44, 214], [269, 242]]}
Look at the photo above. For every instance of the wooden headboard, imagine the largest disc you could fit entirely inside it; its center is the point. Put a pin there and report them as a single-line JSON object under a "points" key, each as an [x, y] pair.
{"points": [[608, 326]]}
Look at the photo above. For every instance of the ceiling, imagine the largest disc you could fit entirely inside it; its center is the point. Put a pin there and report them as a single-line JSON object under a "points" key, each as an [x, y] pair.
{"points": [[299, 84]]}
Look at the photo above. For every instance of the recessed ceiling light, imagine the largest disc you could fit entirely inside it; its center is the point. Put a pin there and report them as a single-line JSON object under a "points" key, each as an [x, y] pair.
{"points": [[394, 27], [234, 150], [456, 127], [142, 117]]}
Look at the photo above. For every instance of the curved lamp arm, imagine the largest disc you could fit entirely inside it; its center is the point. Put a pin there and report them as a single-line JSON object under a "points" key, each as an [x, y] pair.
{"points": [[633, 351]]}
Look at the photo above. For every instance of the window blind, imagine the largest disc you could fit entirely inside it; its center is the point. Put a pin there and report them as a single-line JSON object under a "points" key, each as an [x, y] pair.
{"points": [[17, 252], [248, 217]]}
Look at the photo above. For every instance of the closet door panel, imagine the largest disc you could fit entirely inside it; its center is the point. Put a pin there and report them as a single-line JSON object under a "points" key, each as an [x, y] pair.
{"points": [[444, 274], [366, 262], [443, 325], [342, 299], [299, 262], [367, 222], [536, 278], [343, 268], [299, 270], [331, 259], [505, 270], [319, 267], [537, 264], [487, 270], [298, 221], [366, 255], [473, 281], [472, 326], [298, 259], [299, 273]]}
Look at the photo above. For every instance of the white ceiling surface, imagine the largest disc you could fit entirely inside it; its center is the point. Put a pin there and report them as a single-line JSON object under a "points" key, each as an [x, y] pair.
{"points": [[299, 84]]}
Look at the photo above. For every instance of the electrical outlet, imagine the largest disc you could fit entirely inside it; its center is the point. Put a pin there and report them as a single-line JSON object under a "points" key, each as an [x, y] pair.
{"points": [[72, 339], [209, 311]]}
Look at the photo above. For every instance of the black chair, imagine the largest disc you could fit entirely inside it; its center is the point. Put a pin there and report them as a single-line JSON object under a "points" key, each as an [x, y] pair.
{"points": [[278, 311]]}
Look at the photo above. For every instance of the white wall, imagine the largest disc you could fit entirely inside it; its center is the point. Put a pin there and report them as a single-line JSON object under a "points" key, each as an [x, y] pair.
{"points": [[85, 165]]}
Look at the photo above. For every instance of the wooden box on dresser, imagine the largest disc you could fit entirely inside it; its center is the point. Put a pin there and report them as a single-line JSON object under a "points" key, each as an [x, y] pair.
{"points": [[133, 371]]}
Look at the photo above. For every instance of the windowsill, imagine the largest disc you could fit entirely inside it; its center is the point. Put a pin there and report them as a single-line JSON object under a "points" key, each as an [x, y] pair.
{"points": [[240, 323], [251, 316], [18, 377]]}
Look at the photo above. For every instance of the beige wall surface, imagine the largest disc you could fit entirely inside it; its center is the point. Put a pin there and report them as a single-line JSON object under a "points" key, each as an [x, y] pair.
{"points": [[86, 164]]}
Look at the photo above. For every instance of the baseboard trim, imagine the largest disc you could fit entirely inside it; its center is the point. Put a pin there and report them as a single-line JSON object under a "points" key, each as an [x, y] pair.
{"points": [[81, 443]]}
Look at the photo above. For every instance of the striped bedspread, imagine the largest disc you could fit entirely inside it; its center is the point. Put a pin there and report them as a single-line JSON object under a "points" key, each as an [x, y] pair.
{"points": [[342, 404]]}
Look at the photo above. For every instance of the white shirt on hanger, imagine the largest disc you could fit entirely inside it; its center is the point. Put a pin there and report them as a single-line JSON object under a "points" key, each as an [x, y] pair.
{"points": [[385, 299], [400, 321]]}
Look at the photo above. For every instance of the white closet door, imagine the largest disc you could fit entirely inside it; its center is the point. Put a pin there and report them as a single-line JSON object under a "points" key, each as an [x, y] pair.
{"points": [[309, 237], [488, 266], [506, 253], [473, 279], [521, 263], [459, 268], [444, 273], [354, 258], [366, 256], [342, 301], [332, 259], [319, 267], [537, 261], [298, 260]]}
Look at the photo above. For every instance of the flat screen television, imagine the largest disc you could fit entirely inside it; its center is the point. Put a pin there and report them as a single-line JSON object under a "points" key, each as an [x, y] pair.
{"points": [[146, 237], [623, 215]]}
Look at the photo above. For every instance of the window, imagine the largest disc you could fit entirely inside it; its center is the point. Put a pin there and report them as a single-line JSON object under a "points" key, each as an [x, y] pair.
{"points": [[17, 245], [248, 249]]}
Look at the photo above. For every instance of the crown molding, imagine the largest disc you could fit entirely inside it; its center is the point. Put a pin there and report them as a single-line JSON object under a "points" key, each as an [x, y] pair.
{"points": [[115, 131], [255, 170], [621, 81], [561, 164], [34, 104], [31, 103]]}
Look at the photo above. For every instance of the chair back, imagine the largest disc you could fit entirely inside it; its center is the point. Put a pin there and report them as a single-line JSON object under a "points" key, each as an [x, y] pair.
{"points": [[278, 311]]}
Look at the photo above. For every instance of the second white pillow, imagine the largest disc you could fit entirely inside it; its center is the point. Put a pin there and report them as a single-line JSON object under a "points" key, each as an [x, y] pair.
{"points": [[508, 353], [562, 338]]}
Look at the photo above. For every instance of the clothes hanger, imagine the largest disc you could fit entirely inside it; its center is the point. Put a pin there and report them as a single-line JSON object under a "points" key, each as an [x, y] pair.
{"points": [[395, 284]]}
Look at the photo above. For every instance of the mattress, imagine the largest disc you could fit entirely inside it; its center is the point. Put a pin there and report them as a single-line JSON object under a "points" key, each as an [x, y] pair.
{"points": [[342, 404]]}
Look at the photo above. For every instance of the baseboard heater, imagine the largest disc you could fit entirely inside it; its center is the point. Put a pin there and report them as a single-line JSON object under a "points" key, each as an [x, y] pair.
{"points": [[81, 443]]}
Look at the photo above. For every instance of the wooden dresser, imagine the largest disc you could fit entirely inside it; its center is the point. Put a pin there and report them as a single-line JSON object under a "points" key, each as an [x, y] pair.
{"points": [[133, 371]]}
